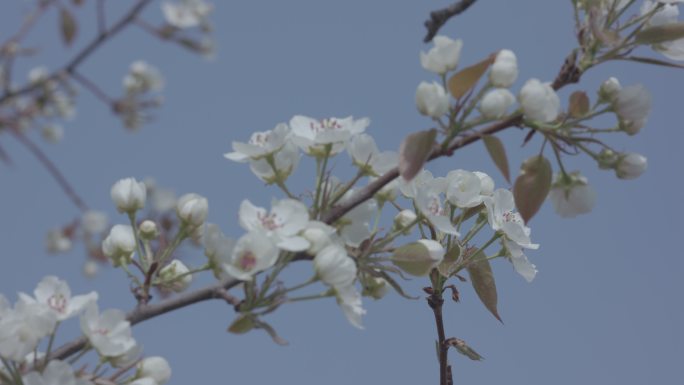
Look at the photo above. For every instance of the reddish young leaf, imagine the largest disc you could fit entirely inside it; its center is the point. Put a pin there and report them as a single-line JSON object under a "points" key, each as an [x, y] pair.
{"points": [[465, 79], [497, 152], [414, 152], [532, 186]]}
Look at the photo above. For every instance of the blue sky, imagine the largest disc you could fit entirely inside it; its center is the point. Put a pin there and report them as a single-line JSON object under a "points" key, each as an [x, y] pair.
{"points": [[606, 307]]}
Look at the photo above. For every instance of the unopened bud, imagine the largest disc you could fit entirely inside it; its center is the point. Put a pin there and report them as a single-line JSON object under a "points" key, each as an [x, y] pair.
{"points": [[148, 230]]}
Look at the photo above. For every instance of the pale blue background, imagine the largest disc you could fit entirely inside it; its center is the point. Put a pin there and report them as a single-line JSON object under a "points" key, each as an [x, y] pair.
{"points": [[606, 307]]}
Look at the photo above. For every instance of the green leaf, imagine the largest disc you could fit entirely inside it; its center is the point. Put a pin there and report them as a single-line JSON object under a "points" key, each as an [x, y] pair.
{"points": [[414, 152], [497, 152], [68, 26], [242, 324], [448, 264], [464, 349], [660, 33], [482, 278], [464, 80], [579, 104], [413, 258], [532, 186]]}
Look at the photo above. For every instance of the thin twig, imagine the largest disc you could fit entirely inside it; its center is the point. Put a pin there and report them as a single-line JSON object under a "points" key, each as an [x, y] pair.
{"points": [[52, 168], [28, 24], [93, 88], [439, 17], [435, 301]]}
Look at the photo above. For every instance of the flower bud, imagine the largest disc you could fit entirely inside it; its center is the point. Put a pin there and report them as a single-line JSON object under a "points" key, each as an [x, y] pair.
{"points": [[156, 368], [539, 101], [128, 195], [431, 99], [192, 209], [572, 195], [404, 218], [443, 57], [631, 165], [94, 222], [319, 236], [609, 89], [504, 70], [607, 159], [57, 242], [632, 105], [375, 287], [334, 267], [435, 249], [174, 276], [496, 103], [148, 230], [119, 244]]}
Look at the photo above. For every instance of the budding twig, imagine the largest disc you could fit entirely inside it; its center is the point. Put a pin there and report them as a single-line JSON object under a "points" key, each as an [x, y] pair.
{"points": [[439, 17]]}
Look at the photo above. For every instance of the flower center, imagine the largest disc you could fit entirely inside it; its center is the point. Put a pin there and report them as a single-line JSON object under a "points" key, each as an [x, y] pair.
{"points": [[325, 124], [434, 207], [269, 221], [259, 139], [57, 302], [247, 261]]}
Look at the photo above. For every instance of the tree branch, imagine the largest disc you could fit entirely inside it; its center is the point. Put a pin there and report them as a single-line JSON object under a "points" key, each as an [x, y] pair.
{"points": [[439, 17], [435, 301]]}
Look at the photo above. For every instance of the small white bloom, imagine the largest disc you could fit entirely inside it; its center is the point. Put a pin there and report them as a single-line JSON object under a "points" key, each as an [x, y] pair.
{"points": [[423, 180], [109, 333], [53, 133], [94, 222], [23, 327], [284, 162], [119, 244], [128, 358], [435, 250], [55, 373], [252, 253], [609, 89], [539, 101], [57, 242], [365, 154], [504, 70], [495, 103], [668, 14], [429, 202], [148, 230], [218, 248], [314, 136], [129, 195], [55, 295], [155, 367], [319, 235], [357, 227], [519, 260], [192, 209], [632, 106], [349, 300], [375, 287], [334, 267], [404, 218], [630, 165], [572, 195], [443, 57], [260, 144], [432, 100], [486, 183], [464, 189], [175, 276], [287, 218], [501, 217], [142, 78], [186, 13]]}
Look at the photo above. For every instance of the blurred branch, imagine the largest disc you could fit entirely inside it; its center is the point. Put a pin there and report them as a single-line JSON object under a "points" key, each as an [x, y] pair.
{"points": [[27, 25], [439, 17]]}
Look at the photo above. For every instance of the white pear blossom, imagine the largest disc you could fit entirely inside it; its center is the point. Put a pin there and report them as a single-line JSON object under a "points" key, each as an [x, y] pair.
{"points": [[630, 165], [175, 276], [495, 103], [148, 230], [423, 180], [55, 295], [357, 221], [57, 242], [429, 202], [218, 249], [668, 14], [260, 144], [350, 302], [156, 368], [609, 89], [284, 161], [365, 154], [192, 209], [287, 218], [94, 222], [55, 373], [443, 57], [334, 267], [539, 101], [128, 358], [129, 195], [435, 250], [464, 188], [519, 260], [119, 244], [319, 234], [186, 13], [314, 136], [486, 183], [632, 105], [572, 195], [109, 333], [501, 217], [404, 218], [432, 100], [252, 253], [504, 70], [142, 78], [22, 327]]}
